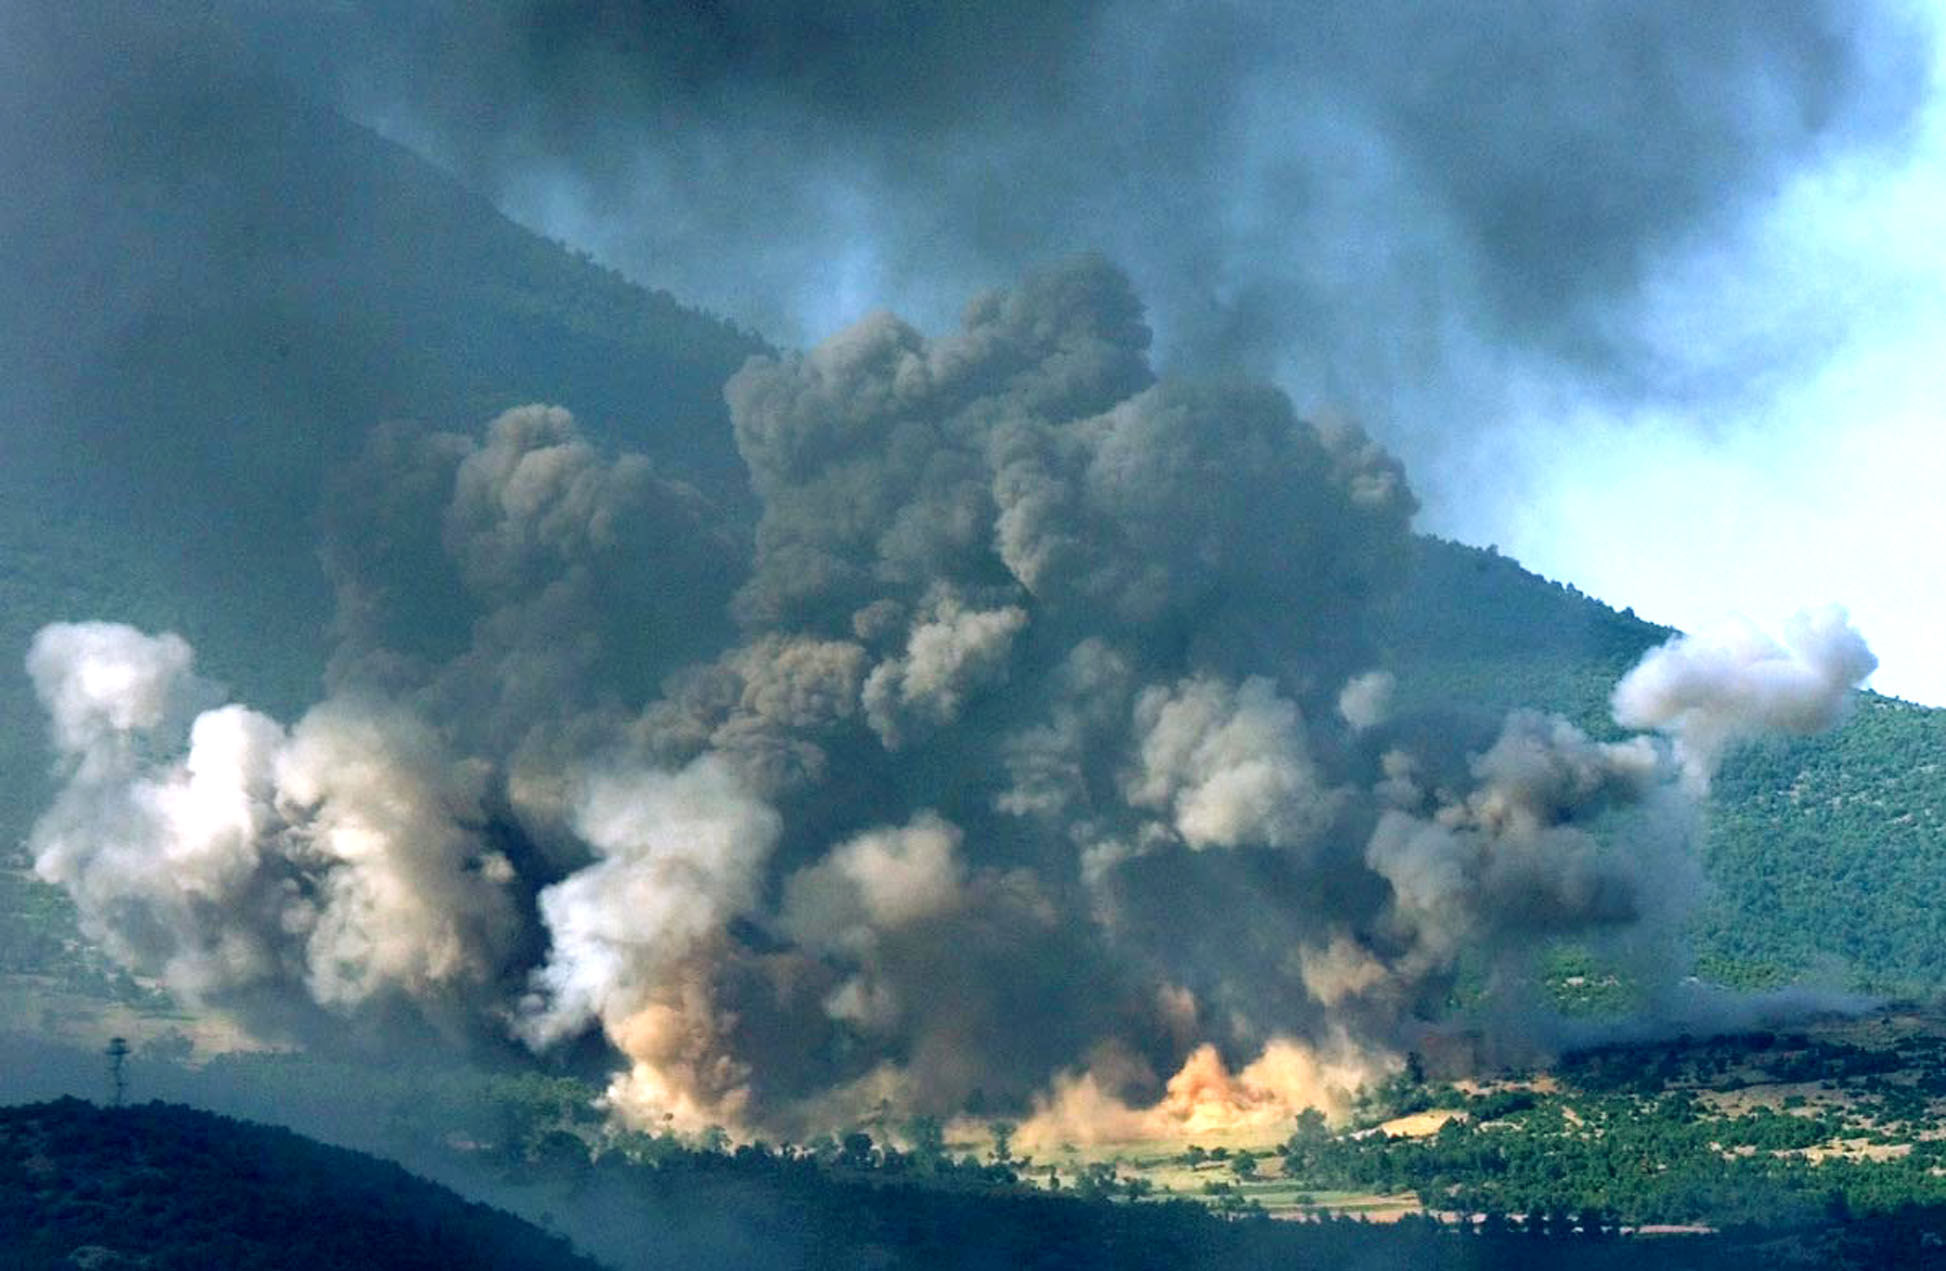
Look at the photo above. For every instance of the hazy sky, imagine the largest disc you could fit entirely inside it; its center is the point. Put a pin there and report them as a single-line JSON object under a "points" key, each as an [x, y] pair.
{"points": [[1823, 480], [1644, 293]]}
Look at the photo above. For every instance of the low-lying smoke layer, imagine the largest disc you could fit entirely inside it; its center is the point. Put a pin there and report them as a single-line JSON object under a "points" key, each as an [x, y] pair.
{"points": [[1028, 758]]}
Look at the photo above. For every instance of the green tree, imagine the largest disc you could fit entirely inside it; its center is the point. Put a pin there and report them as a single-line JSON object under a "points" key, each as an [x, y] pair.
{"points": [[1003, 1140]]}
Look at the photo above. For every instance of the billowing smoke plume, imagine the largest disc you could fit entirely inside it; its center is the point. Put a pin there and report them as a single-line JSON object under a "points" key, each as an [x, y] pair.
{"points": [[1028, 756], [342, 861], [1708, 690]]}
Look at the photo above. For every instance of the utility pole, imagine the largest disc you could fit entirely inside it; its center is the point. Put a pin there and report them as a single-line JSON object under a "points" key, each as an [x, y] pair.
{"points": [[117, 1056]]}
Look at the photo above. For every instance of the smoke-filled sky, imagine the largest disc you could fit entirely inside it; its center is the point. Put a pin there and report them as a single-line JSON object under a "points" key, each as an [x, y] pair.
{"points": [[1015, 738], [1643, 292]]}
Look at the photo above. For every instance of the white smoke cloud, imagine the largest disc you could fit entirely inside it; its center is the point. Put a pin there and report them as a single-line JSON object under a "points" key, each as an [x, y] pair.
{"points": [[1366, 699], [868, 887], [407, 896], [1228, 765], [880, 879], [1709, 690], [678, 854], [104, 684], [343, 856], [159, 850], [952, 652]]}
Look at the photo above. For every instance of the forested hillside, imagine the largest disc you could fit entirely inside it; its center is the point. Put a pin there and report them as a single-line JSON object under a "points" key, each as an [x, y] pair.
{"points": [[218, 288], [1474, 630], [167, 1187], [1826, 855], [244, 282]]}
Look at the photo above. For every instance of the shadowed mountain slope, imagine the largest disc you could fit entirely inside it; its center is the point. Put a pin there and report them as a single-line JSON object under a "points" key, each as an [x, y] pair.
{"points": [[165, 1187]]}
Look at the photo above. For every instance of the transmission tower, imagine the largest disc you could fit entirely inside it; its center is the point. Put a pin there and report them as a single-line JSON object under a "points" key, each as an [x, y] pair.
{"points": [[117, 1058]]}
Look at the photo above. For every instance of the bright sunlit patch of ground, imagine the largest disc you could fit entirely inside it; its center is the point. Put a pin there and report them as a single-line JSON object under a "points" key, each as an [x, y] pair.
{"points": [[1420, 1125]]}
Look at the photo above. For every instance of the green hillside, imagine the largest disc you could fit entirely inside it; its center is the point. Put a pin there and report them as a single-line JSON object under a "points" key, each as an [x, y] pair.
{"points": [[1473, 629], [1826, 855], [216, 290], [219, 281], [165, 1187]]}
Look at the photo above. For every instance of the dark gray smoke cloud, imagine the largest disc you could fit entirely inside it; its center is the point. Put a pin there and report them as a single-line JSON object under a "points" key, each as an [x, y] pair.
{"points": [[1388, 205], [1008, 765]]}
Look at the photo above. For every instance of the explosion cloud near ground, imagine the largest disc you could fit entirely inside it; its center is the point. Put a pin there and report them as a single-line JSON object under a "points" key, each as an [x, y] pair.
{"points": [[1027, 757]]}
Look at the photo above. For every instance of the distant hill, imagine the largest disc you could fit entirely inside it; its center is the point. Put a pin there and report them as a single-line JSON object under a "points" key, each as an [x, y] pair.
{"points": [[1827, 856], [216, 279], [216, 288], [165, 1187], [1473, 629]]}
